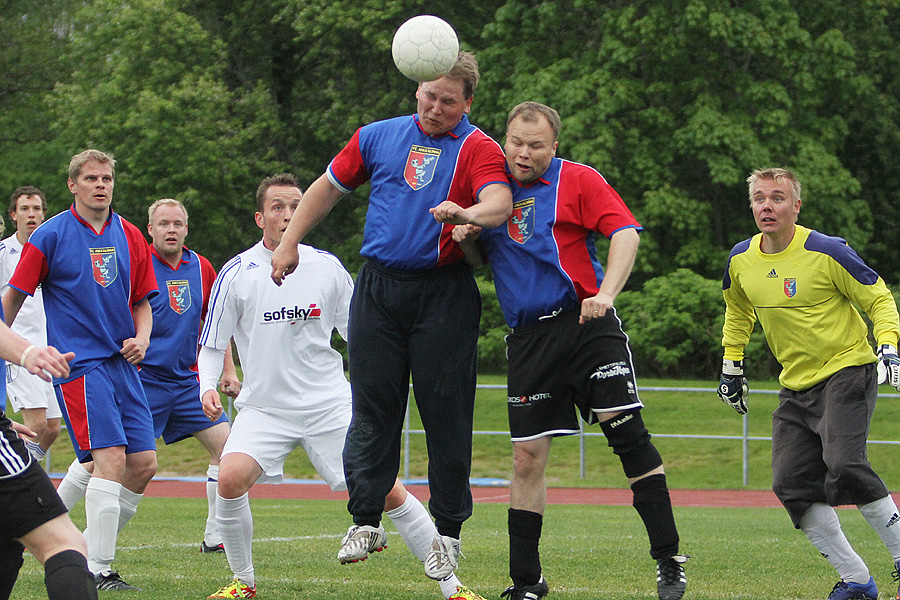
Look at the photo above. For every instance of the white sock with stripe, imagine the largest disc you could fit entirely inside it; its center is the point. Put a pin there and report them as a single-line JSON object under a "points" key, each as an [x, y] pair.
{"points": [[822, 527]]}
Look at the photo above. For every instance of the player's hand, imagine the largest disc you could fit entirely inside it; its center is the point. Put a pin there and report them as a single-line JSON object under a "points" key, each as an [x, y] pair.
{"points": [[465, 233], [733, 386], [47, 362], [22, 430], [134, 349], [284, 262], [230, 385], [450, 212], [594, 307], [889, 366], [212, 406]]}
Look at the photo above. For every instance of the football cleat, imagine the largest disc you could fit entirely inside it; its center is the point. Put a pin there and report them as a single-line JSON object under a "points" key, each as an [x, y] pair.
{"points": [[218, 548], [235, 589], [844, 590], [464, 593], [670, 579], [443, 557], [113, 581], [360, 541], [527, 592]]}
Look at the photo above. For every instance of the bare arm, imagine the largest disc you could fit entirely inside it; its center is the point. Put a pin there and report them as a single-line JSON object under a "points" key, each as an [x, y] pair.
{"points": [[466, 236], [492, 209], [623, 247], [316, 203], [134, 348], [12, 302], [229, 383]]}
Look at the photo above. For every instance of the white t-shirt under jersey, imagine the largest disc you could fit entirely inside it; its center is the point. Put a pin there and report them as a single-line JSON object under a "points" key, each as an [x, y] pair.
{"points": [[30, 323], [283, 334]]}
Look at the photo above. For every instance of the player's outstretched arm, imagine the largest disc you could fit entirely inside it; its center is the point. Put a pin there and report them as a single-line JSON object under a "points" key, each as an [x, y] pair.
{"points": [[492, 210], [467, 238], [315, 204], [44, 361]]}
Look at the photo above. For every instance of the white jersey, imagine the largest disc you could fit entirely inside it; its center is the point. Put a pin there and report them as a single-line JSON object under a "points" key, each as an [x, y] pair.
{"points": [[30, 323], [283, 334]]}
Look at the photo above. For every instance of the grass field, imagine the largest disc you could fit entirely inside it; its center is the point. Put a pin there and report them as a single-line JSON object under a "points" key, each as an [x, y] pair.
{"points": [[587, 553], [690, 463]]}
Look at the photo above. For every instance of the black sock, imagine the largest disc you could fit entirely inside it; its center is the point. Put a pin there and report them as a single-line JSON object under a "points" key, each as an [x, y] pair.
{"points": [[10, 562], [651, 500], [67, 577], [524, 536]]}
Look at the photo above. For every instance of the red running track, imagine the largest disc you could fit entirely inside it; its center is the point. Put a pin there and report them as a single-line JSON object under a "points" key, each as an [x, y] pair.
{"points": [[487, 494]]}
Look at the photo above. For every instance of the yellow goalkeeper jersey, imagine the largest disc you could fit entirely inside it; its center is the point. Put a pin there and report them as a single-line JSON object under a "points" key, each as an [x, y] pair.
{"points": [[803, 298]]}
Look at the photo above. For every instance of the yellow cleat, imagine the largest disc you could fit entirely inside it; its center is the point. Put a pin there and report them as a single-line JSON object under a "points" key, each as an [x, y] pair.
{"points": [[464, 593], [235, 589]]}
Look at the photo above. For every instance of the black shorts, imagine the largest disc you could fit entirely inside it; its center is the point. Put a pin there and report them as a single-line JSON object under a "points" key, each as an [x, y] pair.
{"points": [[558, 367], [27, 501]]}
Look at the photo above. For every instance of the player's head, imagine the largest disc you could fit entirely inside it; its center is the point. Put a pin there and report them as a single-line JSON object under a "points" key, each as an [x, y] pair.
{"points": [[91, 180], [774, 199], [27, 206], [532, 130], [442, 103], [168, 226], [276, 199]]}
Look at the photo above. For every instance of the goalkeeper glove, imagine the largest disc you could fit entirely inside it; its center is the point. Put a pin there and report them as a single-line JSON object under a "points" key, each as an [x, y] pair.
{"points": [[889, 366], [733, 386]]}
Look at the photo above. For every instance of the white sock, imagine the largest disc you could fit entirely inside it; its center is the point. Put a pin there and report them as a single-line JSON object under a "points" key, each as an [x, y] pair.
{"points": [[211, 535], [884, 518], [821, 525], [236, 528], [35, 450], [101, 505], [415, 526], [73, 486], [128, 502]]}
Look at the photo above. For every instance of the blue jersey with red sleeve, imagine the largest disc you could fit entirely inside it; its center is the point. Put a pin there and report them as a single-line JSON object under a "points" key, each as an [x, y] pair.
{"points": [[89, 282], [411, 172], [178, 311], [545, 259]]}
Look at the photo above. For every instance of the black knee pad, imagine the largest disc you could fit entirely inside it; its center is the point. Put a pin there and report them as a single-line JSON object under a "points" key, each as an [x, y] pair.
{"points": [[630, 441]]}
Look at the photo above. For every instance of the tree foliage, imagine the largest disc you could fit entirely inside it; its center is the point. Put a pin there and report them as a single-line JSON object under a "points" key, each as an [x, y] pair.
{"points": [[674, 102]]}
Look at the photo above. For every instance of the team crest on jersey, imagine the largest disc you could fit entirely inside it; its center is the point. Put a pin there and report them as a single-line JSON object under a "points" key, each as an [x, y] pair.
{"points": [[520, 225], [420, 166], [790, 287], [104, 265], [179, 295]]}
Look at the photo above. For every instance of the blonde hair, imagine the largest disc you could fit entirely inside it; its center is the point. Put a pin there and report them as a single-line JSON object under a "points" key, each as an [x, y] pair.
{"points": [[774, 174], [79, 160]]}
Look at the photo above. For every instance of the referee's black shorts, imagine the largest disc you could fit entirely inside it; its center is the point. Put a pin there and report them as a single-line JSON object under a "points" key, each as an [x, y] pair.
{"points": [[27, 501], [558, 366]]}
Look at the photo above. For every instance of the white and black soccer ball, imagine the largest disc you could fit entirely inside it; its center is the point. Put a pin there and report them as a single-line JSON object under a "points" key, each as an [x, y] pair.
{"points": [[425, 48]]}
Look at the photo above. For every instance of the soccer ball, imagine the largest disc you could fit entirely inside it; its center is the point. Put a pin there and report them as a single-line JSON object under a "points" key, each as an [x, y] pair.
{"points": [[425, 48]]}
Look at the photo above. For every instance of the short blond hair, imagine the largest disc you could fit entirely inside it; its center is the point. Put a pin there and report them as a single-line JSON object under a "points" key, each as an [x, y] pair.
{"points": [[466, 69], [530, 111], [80, 159], [170, 202], [774, 174]]}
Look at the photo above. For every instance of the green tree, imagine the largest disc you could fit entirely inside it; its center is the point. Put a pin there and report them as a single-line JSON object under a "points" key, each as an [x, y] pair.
{"points": [[148, 84], [676, 102]]}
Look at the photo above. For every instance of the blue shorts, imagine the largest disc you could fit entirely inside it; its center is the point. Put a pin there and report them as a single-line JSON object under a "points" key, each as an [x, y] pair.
{"points": [[177, 411], [106, 407]]}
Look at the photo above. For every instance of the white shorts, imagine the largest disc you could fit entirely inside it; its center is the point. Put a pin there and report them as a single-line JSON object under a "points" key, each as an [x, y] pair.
{"points": [[25, 390], [268, 435]]}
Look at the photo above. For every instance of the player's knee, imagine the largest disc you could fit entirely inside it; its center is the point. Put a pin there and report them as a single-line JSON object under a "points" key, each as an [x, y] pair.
{"points": [[52, 431], [630, 441], [528, 458]]}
